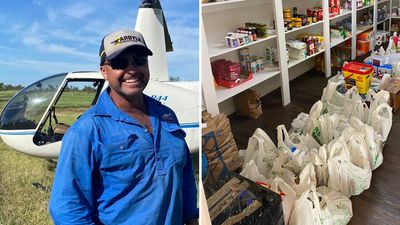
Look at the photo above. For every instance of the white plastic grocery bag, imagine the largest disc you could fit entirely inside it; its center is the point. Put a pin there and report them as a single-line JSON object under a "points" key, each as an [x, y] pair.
{"points": [[262, 150], [374, 146], [381, 120], [306, 179], [346, 177], [358, 151], [353, 105], [278, 170], [309, 210], [297, 153], [319, 159], [288, 198], [339, 205], [304, 141], [251, 172], [331, 95], [376, 99], [284, 141], [298, 123]]}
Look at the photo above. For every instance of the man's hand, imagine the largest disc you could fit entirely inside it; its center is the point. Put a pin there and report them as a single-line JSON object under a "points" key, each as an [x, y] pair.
{"points": [[193, 221]]}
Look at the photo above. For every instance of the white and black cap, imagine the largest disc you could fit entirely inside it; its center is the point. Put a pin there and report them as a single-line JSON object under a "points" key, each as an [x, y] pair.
{"points": [[118, 41]]}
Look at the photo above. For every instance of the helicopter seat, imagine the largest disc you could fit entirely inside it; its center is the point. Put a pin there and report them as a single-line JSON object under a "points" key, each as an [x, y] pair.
{"points": [[61, 128]]}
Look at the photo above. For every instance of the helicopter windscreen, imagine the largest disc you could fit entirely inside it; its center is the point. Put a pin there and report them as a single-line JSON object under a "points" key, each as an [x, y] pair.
{"points": [[27, 107]]}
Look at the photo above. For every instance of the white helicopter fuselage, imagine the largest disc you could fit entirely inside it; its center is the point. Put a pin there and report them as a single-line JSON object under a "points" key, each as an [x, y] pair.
{"points": [[182, 97]]}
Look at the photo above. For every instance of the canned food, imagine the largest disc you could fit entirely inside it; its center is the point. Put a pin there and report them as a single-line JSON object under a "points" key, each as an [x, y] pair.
{"points": [[297, 22], [260, 63]]}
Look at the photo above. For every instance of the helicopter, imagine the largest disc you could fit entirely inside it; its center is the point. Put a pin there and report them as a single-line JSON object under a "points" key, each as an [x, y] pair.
{"points": [[36, 118]]}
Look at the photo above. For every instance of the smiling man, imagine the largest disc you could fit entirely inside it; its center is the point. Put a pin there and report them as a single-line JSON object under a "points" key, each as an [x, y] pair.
{"points": [[125, 161]]}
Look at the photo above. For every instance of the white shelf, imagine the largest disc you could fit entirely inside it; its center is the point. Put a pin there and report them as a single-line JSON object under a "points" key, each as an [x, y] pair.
{"points": [[363, 28], [365, 7], [293, 62], [219, 48], [383, 1], [345, 12], [225, 93], [337, 41], [294, 29], [395, 17], [224, 5]]}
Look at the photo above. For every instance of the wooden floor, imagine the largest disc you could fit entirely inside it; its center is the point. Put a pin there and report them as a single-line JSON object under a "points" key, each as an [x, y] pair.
{"points": [[380, 204]]}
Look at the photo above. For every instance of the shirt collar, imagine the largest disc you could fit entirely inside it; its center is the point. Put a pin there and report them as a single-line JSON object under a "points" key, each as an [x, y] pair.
{"points": [[106, 107]]}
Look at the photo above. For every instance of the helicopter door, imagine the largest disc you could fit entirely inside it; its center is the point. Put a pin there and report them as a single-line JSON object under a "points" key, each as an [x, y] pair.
{"points": [[75, 98]]}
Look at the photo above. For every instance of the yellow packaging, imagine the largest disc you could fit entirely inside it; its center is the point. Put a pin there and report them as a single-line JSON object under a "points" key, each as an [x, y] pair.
{"points": [[359, 75]]}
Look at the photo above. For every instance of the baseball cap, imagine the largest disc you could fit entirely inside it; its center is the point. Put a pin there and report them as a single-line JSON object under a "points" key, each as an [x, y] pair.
{"points": [[118, 41]]}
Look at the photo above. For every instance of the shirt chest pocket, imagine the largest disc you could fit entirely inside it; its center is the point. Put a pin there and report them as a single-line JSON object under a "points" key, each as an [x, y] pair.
{"points": [[176, 144], [126, 160]]}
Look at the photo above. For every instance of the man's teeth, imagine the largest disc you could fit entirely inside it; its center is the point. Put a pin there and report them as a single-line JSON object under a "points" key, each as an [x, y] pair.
{"points": [[131, 80]]}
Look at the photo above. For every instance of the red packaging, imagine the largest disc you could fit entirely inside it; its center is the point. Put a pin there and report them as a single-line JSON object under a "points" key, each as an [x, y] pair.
{"points": [[226, 70], [232, 71], [217, 68]]}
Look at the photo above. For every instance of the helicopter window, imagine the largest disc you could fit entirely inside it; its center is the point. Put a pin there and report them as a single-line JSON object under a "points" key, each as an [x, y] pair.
{"points": [[76, 97], [26, 108]]}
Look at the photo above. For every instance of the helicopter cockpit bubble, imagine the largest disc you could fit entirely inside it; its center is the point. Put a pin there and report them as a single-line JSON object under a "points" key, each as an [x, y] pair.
{"points": [[26, 108]]}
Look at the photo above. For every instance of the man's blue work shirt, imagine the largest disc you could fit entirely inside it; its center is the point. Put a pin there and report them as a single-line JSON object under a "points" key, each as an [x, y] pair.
{"points": [[111, 170]]}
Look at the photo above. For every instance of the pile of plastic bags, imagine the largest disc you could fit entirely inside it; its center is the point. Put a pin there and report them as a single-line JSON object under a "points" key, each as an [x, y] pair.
{"points": [[326, 156]]}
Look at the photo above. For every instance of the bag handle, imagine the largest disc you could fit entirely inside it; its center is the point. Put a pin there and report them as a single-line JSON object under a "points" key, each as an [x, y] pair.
{"points": [[266, 139], [329, 91], [284, 139], [254, 146], [383, 106], [316, 110]]}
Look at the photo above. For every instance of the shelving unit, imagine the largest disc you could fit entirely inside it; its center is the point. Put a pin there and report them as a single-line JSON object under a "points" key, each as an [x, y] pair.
{"points": [[294, 62], [221, 17], [393, 4], [219, 48], [225, 93], [336, 41]]}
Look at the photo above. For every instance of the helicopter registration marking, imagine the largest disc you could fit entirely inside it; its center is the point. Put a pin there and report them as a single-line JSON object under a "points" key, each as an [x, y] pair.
{"points": [[161, 98]]}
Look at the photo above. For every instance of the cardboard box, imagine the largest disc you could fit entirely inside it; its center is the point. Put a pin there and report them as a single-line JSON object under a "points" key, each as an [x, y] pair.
{"points": [[393, 87]]}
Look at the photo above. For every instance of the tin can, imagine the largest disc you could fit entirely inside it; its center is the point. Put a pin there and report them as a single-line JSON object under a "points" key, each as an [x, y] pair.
{"points": [[309, 12], [260, 63], [254, 33], [253, 66], [244, 56], [287, 13], [320, 14], [297, 22]]}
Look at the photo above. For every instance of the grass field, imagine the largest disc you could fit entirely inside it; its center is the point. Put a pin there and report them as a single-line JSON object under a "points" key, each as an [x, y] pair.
{"points": [[25, 184], [25, 181]]}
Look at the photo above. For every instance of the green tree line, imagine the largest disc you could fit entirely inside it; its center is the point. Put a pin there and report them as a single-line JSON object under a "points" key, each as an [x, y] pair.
{"points": [[7, 87]]}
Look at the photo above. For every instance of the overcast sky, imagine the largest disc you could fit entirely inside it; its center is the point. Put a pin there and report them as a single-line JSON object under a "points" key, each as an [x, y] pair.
{"points": [[39, 38]]}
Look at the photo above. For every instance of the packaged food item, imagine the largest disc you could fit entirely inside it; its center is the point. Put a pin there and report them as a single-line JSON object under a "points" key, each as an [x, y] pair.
{"points": [[359, 75]]}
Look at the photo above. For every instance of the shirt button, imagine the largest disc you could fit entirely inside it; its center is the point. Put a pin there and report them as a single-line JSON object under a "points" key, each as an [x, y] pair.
{"points": [[122, 147], [145, 130]]}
